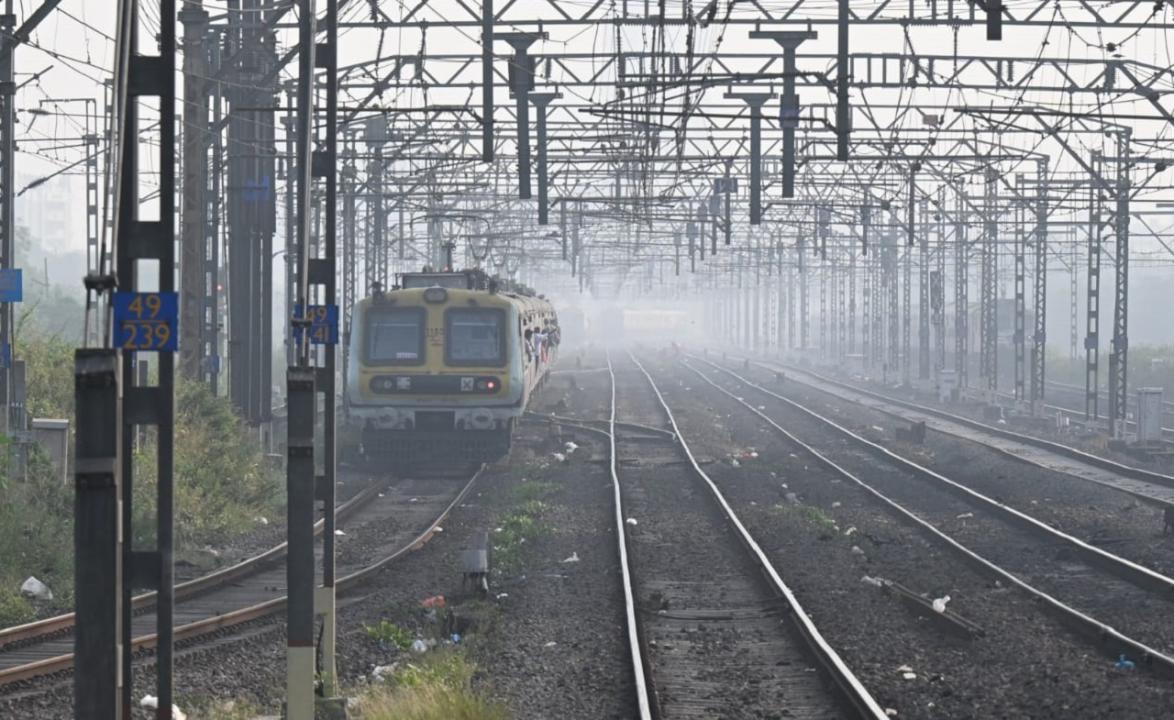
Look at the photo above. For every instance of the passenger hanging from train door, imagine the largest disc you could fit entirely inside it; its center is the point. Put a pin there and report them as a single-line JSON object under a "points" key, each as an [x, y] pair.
{"points": [[540, 339], [529, 337]]}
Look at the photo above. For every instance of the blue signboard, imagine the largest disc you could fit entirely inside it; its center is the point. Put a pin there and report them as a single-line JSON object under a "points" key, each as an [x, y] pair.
{"points": [[258, 191], [146, 321], [323, 324], [11, 285]]}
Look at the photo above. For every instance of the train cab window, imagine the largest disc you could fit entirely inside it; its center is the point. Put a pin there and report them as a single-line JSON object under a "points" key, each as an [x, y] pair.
{"points": [[395, 336], [475, 336]]}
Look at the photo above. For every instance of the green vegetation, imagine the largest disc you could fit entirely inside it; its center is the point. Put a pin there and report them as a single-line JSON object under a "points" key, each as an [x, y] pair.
{"points": [[438, 686], [48, 374], [36, 511], [222, 482], [823, 522], [14, 609], [36, 538], [533, 490], [389, 634], [525, 507], [818, 517], [520, 526]]}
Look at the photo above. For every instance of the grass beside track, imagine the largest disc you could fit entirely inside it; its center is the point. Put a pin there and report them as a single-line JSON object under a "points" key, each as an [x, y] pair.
{"points": [[522, 523], [438, 686], [223, 486]]}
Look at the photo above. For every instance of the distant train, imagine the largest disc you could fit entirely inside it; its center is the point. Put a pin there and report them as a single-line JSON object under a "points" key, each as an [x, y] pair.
{"points": [[442, 368]]}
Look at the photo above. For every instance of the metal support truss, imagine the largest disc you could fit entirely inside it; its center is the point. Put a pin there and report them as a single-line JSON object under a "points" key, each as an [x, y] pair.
{"points": [[12, 416], [1092, 331], [212, 310], [868, 301], [988, 308], [375, 252], [804, 316], [193, 221], [891, 275], [324, 276], [907, 315], [251, 207], [1019, 338], [1073, 297], [961, 302], [1040, 297], [114, 401], [923, 295], [938, 288], [1119, 350], [850, 330]]}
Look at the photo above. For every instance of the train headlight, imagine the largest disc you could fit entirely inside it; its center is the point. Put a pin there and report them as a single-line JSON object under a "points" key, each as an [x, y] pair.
{"points": [[435, 295], [488, 385]]}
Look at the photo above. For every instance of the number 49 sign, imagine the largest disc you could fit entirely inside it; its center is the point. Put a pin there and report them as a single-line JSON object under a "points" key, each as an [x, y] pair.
{"points": [[323, 324], [146, 321]]}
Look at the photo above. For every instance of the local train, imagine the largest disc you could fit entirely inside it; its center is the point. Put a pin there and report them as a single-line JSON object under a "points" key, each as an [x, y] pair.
{"points": [[441, 368]]}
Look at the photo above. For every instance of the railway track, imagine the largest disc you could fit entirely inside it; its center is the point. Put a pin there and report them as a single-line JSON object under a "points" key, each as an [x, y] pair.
{"points": [[1074, 409], [1078, 393], [253, 589], [1027, 554], [1146, 485], [62, 625], [718, 633]]}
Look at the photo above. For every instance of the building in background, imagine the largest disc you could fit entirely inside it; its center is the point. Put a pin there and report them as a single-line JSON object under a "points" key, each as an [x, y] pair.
{"points": [[53, 212]]}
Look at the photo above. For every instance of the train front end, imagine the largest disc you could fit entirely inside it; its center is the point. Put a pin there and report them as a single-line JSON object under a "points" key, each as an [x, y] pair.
{"points": [[435, 377]]}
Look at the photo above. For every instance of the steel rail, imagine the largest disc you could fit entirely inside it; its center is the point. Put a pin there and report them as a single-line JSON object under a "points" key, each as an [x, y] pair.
{"points": [[1124, 569], [1079, 414], [244, 615], [244, 568], [1065, 451], [641, 671], [1058, 448], [850, 687], [588, 423], [572, 424], [1167, 405], [1097, 631]]}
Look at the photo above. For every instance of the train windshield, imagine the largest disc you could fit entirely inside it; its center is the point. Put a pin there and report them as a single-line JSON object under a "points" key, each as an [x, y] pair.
{"points": [[475, 336], [395, 336]]}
